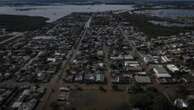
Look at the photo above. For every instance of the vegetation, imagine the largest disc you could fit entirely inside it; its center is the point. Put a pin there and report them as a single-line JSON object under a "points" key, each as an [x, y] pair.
{"points": [[101, 88], [152, 30], [149, 100], [21, 23], [191, 103]]}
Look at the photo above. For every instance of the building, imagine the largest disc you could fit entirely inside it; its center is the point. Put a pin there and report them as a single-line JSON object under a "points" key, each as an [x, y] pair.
{"points": [[100, 78], [160, 72], [172, 68], [142, 79]]}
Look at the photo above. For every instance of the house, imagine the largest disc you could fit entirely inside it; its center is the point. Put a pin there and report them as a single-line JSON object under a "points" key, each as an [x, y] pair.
{"points": [[142, 79], [117, 58], [16, 105], [148, 59], [165, 59], [128, 57], [122, 57], [100, 53], [141, 73], [100, 78], [51, 59], [89, 78], [132, 66], [120, 78], [78, 78]]}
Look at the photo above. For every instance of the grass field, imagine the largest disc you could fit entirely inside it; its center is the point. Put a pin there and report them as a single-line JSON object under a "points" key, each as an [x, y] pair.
{"points": [[98, 100]]}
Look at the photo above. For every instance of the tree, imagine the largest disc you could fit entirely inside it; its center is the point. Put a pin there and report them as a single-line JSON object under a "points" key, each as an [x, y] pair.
{"points": [[102, 89], [150, 100], [141, 100], [182, 90], [161, 103], [191, 105]]}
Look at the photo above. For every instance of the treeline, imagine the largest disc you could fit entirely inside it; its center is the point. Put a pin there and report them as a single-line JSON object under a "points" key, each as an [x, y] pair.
{"points": [[21, 23]]}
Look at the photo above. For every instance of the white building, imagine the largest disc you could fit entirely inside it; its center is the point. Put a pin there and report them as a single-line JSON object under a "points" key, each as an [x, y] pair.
{"points": [[172, 68], [161, 72]]}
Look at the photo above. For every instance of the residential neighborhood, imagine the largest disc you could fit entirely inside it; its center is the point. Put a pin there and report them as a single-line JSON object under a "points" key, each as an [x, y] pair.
{"points": [[95, 61]]}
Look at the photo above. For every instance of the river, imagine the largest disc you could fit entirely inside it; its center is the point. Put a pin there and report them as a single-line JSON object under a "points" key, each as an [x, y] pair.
{"points": [[57, 11]]}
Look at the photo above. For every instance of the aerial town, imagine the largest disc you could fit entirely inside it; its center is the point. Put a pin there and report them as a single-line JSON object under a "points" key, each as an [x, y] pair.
{"points": [[95, 61]]}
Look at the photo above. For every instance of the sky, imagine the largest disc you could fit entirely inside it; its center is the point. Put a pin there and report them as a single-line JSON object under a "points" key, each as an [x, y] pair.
{"points": [[92, 0], [59, 1]]}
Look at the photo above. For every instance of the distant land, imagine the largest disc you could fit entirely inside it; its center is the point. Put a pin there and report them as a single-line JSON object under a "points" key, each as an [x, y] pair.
{"points": [[17, 14], [84, 2], [78, 2]]}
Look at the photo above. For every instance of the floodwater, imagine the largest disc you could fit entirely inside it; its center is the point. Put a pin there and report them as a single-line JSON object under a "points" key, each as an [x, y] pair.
{"points": [[169, 24], [57, 11], [169, 13]]}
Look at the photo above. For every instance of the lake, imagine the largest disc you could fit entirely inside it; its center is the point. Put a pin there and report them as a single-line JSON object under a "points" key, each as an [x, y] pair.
{"points": [[57, 11]]}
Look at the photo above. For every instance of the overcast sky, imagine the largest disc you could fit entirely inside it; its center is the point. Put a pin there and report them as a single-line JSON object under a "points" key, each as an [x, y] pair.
{"points": [[81, 0], [95, 0]]}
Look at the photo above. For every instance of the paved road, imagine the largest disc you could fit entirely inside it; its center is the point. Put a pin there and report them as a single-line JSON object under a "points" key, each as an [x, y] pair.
{"points": [[155, 83], [55, 83], [15, 35], [79, 42], [107, 63], [132, 44]]}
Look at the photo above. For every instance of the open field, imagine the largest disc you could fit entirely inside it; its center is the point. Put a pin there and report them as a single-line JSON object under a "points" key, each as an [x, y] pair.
{"points": [[98, 100]]}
